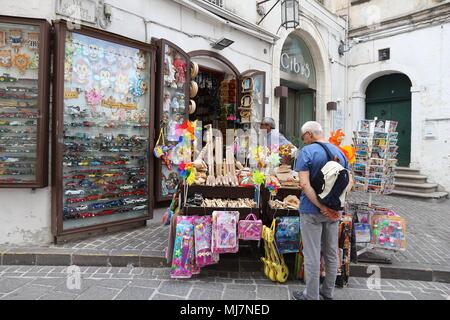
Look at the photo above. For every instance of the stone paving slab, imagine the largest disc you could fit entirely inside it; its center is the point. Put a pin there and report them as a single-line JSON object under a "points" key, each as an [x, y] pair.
{"points": [[427, 256], [30, 284]]}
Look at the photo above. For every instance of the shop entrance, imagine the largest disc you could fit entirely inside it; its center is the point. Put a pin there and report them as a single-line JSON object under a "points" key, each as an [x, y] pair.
{"points": [[389, 98], [298, 108], [299, 75]]}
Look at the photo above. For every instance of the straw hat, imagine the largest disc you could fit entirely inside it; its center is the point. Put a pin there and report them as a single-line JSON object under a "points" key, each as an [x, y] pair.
{"points": [[194, 89], [192, 106], [194, 69], [292, 201]]}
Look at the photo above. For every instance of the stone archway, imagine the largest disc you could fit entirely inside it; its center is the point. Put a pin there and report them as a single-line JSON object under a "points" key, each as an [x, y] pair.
{"points": [[313, 39], [358, 100]]}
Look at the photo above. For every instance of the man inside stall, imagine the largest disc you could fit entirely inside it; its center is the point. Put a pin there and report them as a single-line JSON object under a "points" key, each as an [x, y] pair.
{"points": [[274, 137]]}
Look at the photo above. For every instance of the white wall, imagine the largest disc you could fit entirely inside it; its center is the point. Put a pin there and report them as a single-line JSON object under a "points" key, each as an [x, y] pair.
{"points": [[423, 55]]}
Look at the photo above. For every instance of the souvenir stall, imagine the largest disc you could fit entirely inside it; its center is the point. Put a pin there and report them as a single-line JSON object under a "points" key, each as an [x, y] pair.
{"points": [[376, 227], [24, 90], [102, 115]]}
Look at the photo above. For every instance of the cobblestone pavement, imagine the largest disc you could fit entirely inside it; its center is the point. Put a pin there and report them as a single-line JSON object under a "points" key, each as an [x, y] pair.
{"points": [[102, 283], [428, 235]]}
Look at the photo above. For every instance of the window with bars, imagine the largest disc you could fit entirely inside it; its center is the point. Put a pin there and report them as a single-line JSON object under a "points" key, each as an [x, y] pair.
{"points": [[218, 3]]}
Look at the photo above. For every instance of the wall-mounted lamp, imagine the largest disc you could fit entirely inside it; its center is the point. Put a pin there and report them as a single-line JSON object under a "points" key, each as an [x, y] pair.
{"points": [[222, 43], [290, 12]]}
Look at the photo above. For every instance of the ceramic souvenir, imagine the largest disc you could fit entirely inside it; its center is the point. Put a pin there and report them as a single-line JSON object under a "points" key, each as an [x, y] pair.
{"points": [[166, 102], [33, 41], [110, 55], [81, 71], [15, 38], [138, 87], [5, 58], [121, 84], [21, 61]]}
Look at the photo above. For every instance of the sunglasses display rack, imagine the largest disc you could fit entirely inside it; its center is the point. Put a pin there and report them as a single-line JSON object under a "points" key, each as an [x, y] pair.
{"points": [[376, 153], [105, 138], [21, 110]]}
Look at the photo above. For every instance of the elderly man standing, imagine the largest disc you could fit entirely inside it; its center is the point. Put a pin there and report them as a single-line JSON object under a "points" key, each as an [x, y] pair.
{"points": [[274, 137], [319, 224]]}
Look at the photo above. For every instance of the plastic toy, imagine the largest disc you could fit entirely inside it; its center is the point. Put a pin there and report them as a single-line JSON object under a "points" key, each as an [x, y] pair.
{"points": [[202, 234], [250, 228], [224, 232], [183, 251], [287, 234]]}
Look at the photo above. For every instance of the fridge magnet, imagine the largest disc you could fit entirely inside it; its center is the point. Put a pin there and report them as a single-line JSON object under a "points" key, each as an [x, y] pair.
{"points": [[15, 37], [2, 38], [21, 61], [34, 61], [94, 52], [138, 87], [105, 79], [81, 70], [33, 41], [139, 60], [71, 94], [110, 55], [5, 58], [121, 84], [125, 59], [93, 97]]}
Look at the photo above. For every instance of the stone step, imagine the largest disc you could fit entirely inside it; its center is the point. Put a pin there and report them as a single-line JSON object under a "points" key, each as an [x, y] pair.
{"points": [[406, 170], [421, 195], [410, 178], [416, 187]]}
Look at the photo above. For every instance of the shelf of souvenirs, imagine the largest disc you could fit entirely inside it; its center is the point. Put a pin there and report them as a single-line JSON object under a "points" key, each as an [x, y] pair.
{"points": [[106, 125]]}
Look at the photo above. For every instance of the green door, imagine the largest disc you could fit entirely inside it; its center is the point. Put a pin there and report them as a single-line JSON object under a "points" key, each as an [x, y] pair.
{"points": [[298, 108], [389, 98]]}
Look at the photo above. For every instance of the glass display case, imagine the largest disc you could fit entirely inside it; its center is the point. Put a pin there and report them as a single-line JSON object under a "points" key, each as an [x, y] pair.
{"points": [[103, 120], [24, 62], [173, 87]]}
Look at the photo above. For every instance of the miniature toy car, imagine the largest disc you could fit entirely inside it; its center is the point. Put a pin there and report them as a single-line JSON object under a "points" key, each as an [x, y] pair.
{"points": [[126, 187], [143, 207], [81, 208], [74, 192], [6, 77]]}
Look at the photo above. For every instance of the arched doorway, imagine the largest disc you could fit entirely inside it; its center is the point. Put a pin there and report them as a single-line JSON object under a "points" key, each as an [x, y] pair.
{"points": [[389, 98], [298, 74]]}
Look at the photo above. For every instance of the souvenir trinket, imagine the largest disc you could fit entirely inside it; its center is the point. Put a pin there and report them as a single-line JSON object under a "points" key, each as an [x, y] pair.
{"points": [[121, 84], [138, 87], [113, 104], [15, 38], [21, 61], [5, 58], [34, 61], [110, 55], [33, 41], [287, 235], [250, 228], [2, 38], [139, 60], [93, 97], [180, 67], [81, 71]]}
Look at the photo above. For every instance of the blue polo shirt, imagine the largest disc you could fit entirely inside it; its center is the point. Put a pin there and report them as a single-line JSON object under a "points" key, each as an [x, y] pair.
{"points": [[313, 158]]}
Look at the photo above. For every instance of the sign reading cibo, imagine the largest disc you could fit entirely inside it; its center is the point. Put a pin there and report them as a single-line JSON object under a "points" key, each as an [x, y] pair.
{"points": [[296, 61], [293, 65]]}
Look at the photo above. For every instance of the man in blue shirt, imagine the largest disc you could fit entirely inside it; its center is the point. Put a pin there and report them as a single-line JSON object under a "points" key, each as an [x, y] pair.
{"points": [[319, 224]]}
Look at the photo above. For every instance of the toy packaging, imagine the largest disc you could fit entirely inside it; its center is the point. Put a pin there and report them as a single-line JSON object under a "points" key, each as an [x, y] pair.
{"points": [[224, 231], [250, 228], [202, 236], [363, 233], [389, 232], [183, 251], [287, 235]]}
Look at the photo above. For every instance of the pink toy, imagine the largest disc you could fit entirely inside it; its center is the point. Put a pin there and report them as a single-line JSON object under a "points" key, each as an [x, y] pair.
{"points": [[180, 67], [224, 232], [202, 235], [250, 228], [183, 251]]}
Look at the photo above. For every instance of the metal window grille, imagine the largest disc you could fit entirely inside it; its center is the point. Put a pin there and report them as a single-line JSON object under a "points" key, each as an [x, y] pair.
{"points": [[218, 3]]}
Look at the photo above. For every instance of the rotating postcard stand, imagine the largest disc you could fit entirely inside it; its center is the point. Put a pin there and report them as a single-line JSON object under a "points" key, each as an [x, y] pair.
{"points": [[373, 172], [173, 92], [102, 137]]}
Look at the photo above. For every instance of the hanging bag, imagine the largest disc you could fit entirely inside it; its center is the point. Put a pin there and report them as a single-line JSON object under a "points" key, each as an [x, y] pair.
{"points": [[250, 228]]}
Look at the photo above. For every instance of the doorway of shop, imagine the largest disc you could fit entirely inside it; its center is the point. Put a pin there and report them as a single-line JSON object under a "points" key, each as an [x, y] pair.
{"points": [[389, 98], [298, 108]]}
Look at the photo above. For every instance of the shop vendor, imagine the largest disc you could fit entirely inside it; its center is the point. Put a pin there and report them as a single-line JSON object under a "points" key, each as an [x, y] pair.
{"points": [[274, 137]]}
